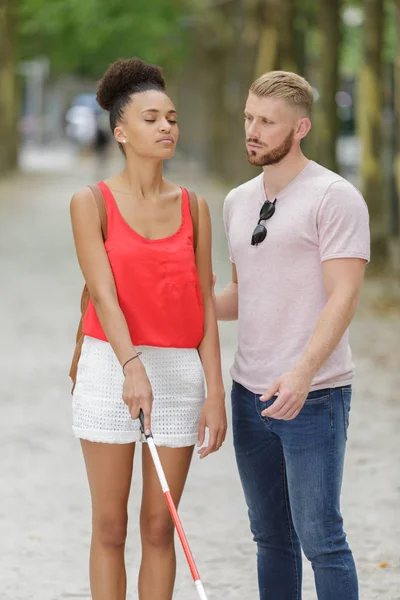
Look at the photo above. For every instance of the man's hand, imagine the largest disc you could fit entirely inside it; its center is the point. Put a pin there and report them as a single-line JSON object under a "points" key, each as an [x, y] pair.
{"points": [[291, 390]]}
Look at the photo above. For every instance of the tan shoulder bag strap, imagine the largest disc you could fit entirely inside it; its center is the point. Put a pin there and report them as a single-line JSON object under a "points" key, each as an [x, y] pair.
{"points": [[194, 211], [101, 207]]}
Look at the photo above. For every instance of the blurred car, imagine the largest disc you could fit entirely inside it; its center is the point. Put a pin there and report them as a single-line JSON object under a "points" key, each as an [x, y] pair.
{"points": [[83, 119], [87, 100]]}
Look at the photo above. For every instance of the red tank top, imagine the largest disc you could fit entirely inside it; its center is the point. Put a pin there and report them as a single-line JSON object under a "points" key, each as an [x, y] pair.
{"points": [[157, 282]]}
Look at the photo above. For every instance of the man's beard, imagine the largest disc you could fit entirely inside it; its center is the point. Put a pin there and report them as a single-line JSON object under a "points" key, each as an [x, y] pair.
{"points": [[273, 156]]}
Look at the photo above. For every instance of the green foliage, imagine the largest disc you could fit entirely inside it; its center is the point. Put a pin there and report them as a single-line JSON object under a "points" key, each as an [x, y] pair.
{"points": [[352, 34], [389, 49], [84, 36], [352, 44]]}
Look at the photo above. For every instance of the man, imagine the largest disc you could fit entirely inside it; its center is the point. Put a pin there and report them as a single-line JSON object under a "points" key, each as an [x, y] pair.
{"points": [[298, 236]]}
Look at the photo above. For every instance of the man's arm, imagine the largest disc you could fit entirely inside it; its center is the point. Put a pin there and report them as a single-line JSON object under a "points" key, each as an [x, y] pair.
{"points": [[342, 279], [226, 303]]}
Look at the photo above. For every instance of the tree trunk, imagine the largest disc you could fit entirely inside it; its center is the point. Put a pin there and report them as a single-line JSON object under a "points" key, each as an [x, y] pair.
{"points": [[254, 51], [240, 75], [264, 40], [370, 127], [237, 42], [326, 121], [268, 16], [302, 24], [397, 94], [8, 86], [222, 94], [217, 126], [395, 229], [287, 37], [201, 88]]}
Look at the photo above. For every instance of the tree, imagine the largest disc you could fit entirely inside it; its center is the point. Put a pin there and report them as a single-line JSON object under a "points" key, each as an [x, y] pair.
{"points": [[395, 242], [269, 14], [83, 37], [326, 123], [233, 46], [8, 86], [254, 51], [397, 96], [287, 37], [201, 85], [369, 107], [239, 42]]}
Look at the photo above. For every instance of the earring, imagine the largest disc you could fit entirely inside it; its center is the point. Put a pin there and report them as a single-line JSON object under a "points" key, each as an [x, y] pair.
{"points": [[124, 140]]}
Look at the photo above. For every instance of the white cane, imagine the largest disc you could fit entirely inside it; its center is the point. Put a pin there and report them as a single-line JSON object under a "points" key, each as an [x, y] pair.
{"points": [[173, 511]]}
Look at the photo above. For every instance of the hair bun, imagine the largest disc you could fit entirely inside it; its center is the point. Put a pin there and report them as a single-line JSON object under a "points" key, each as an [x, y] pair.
{"points": [[123, 77]]}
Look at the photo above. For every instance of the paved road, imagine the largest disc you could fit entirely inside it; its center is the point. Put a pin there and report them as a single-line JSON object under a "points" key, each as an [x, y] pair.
{"points": [[44, 507]]}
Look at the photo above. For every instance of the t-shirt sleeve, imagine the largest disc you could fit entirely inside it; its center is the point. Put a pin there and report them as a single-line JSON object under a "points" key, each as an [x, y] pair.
{"points": [[343, 223], [226, 213]]}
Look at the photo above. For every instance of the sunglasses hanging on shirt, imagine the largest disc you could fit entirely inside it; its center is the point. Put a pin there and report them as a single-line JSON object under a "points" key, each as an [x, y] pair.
{"points": [[260, 232]]}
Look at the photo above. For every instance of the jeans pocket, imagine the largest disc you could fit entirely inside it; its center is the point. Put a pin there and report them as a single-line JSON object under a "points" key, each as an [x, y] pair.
{"points": [[319, 396], [346, 399], [261, 406]]}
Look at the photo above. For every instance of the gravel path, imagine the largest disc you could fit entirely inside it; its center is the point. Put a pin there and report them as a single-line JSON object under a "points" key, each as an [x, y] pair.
{"points": [[44, 508]]}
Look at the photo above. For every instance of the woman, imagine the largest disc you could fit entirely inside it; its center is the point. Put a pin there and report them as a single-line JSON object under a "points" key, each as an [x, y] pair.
{"points": [[150, 334]]}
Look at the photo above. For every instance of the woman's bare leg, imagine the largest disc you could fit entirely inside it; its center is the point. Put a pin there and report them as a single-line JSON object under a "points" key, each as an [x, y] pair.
{"points": [[109, 468], [158, 568]]}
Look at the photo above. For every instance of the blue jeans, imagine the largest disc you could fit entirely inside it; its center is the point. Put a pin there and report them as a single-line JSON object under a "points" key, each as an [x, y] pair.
{"points": [[291, 473]]}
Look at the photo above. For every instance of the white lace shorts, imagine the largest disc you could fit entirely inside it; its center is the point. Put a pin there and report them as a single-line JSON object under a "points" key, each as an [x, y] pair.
{"points": [[100, 414]]}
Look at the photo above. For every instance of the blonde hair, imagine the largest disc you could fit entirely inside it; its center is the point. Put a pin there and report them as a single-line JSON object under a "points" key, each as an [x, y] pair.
{"points": [[286, 85]]}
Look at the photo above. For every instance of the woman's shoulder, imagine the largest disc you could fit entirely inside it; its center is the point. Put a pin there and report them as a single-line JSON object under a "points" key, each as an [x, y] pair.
{"points": [[192, 194], [82, 202], [82, 195]]}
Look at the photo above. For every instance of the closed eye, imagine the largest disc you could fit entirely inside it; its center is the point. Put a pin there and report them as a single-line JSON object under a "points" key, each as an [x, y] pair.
{"points": [[154, 120]]}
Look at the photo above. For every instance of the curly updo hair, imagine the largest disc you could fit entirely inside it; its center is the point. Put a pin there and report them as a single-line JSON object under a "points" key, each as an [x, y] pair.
{"points": [[124, 78]]}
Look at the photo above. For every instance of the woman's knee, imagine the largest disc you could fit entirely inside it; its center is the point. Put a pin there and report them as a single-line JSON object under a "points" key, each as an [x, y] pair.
{"points": [[157, 530], [111, 530]]}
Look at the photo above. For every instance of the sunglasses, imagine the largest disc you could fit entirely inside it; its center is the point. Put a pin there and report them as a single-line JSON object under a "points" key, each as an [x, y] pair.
{"points": [[260, 232]]}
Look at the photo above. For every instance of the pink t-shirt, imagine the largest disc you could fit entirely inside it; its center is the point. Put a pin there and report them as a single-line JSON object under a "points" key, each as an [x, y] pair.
{"points": [[319, 216]]}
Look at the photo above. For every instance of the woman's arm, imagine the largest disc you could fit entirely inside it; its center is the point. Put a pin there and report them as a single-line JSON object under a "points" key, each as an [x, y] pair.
{"points": [[213, 414], [99, 278], [227, 302]]}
